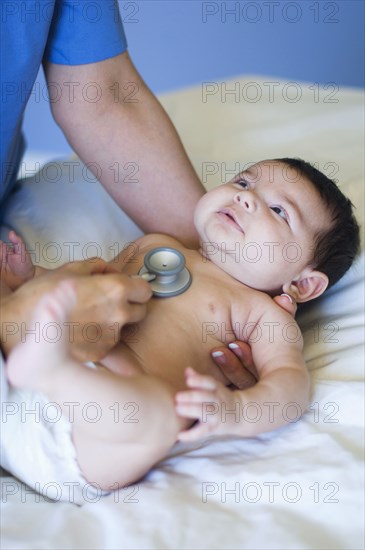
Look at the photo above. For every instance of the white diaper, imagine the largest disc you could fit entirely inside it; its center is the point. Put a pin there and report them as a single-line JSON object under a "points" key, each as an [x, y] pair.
{"points": [[37, 447]]}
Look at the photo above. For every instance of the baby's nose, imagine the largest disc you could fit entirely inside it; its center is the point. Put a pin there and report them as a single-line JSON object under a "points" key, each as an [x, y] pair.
{"points": [[246, 200]]}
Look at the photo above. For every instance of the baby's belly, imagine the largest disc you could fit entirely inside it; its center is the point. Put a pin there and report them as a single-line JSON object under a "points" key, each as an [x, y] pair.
{"points": [[164, 358], [168, 358], [177, 334]]}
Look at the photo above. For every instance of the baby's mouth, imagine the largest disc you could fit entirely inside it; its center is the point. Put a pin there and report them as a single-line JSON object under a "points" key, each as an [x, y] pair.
{"points": [[229, 217]]}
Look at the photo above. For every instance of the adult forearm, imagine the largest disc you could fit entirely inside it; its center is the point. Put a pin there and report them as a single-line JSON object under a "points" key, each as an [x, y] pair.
{"points": [[141, 163], [133, 148]]}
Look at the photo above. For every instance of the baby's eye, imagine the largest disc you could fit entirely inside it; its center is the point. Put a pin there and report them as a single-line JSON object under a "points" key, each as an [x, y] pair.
{"points": [[243, 183], [280, 211]]}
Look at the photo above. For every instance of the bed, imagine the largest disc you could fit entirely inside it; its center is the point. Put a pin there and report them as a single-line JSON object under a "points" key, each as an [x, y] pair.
{"points": [[298, 488]]}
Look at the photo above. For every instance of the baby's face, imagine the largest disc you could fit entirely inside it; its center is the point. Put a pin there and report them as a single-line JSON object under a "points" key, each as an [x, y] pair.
{"points": [[260, 226]]}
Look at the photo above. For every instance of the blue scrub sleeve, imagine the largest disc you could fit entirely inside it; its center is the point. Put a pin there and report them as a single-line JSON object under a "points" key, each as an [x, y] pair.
{"points": [[85, 32]]}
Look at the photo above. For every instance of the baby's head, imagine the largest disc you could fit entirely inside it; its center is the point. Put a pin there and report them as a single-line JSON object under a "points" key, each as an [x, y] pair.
{"points": [[279, 226]]}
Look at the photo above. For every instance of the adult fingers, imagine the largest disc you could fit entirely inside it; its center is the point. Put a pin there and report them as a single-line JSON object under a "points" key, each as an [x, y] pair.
{"points": [[92, 266], [236, 364], [287, 302], [138, 290]]}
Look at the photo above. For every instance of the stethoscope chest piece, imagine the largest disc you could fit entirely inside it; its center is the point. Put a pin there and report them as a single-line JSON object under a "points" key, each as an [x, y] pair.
{"points": [[164, 268]]}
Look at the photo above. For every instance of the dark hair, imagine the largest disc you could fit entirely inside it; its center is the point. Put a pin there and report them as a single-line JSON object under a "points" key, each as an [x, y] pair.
{"points": [[336, 248]]}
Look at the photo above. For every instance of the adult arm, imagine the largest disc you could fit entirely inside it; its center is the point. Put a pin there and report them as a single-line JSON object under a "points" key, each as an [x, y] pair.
{"points": [[119, 129]]}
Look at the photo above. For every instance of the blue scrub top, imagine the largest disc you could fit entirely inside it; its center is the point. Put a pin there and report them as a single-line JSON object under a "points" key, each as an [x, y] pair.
{"points": [[67, 32]]}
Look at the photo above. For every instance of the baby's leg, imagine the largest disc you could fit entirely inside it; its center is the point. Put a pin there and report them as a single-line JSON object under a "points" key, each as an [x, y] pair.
{"points": [[15, 262], [121, 425]]}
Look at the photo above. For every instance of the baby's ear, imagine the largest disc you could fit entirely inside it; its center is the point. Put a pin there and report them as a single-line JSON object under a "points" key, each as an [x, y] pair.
{"points": [[309, 284]]}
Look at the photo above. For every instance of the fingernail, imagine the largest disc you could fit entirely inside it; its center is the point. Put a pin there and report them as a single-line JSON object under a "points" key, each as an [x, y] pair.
{"points": [[288, 296], [233, 346], [217, 353]]}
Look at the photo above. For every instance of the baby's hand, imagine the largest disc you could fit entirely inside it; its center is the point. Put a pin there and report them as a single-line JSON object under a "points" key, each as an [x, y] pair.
{"points": [[15, 262], [208, 401]]}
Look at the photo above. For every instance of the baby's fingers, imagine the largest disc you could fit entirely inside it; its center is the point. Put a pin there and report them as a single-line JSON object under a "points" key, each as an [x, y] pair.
{"points": [[190, 410], [197, 405], [195, 380], [192, 397], [197, 432]]}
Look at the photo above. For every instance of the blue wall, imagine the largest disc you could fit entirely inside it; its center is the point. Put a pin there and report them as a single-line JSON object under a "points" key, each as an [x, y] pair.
{"points": [[177, 43]]}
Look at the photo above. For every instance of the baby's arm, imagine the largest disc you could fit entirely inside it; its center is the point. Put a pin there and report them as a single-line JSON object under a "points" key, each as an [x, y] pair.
{"points": [[280, 397]]}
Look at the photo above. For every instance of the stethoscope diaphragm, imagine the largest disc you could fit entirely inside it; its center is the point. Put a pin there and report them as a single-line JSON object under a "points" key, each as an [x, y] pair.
{"points": [[164, 268]]}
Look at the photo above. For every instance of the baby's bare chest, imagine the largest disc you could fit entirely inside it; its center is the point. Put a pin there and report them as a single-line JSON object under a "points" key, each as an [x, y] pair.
{"points": [[182, 331]]}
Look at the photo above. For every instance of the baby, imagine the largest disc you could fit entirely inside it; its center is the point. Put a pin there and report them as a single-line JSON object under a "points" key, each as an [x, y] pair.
{"points": [[279, 226]]}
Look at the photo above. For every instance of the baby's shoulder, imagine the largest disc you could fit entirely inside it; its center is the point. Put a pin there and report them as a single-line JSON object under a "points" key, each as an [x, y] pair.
{"points": [[264, 321], [262, 309]]}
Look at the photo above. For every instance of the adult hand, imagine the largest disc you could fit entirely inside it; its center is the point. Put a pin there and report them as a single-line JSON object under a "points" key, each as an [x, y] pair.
{"points": [[106, 301], [236, 361]]}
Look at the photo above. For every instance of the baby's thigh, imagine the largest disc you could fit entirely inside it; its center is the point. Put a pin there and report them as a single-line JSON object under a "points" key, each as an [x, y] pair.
{"points": [[139, 442]]}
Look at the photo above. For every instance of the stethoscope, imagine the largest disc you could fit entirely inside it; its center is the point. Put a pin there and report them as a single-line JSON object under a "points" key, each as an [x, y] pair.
{"points": [[164, 268]]}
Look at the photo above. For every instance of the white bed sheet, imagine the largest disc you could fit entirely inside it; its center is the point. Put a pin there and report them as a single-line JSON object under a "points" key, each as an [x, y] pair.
{"points": [[298, 488]]}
